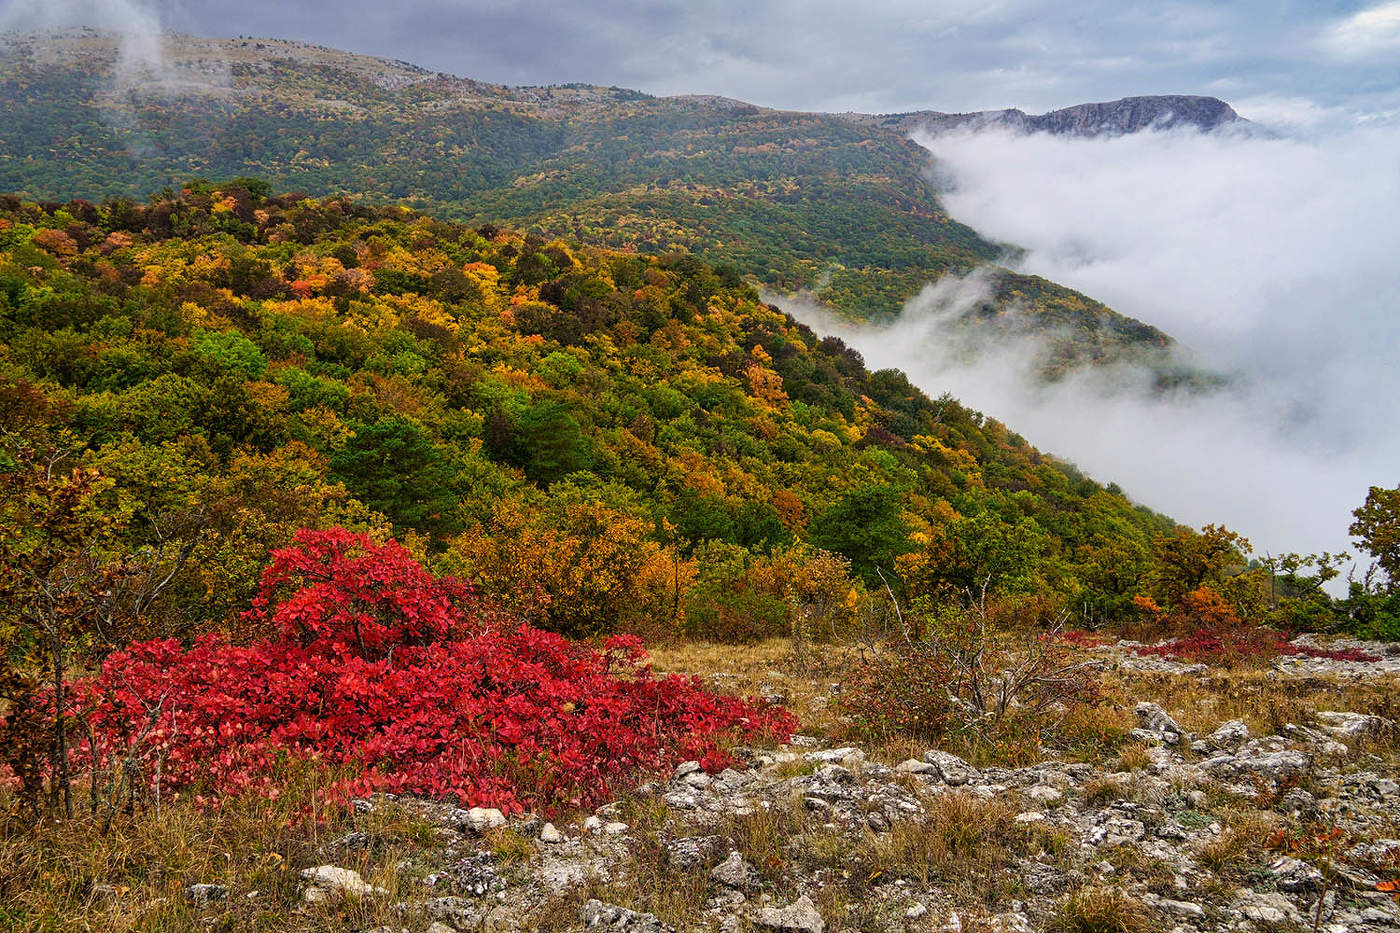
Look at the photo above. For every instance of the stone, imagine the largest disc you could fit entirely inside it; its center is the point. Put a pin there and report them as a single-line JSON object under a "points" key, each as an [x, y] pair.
{"points": [[951, 769], [689, 851], [685, 768], [481, 819], [1352, 726], [1272, 765], [801, 916], [1182, 908], [1044, 793], [599, 916], [833, 756], [734, 872], [456, 912], [1290, 874], [1152, 718], [202, 895], [437, 926], [915, 766], [325, 881], [1268, 909], [1229, 735], [915, 912], [550, 834]]}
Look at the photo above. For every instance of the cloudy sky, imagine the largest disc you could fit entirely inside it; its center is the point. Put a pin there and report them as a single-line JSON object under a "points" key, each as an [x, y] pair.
{"points": [[1284, 59]]}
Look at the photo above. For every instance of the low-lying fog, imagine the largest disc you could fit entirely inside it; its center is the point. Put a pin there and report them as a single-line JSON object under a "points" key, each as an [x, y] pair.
{"points": [[1275, 259]]}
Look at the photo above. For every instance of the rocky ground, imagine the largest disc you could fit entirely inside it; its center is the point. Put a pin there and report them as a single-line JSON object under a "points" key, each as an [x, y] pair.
{"points": [[1226, 828]]}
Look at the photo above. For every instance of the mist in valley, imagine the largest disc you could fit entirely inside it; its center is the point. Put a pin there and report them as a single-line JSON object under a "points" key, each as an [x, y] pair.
{"points": [[1269, 256]]}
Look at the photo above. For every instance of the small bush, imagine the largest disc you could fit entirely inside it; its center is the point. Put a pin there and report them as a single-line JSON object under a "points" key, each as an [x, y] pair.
{"points": [[1007, 693]]}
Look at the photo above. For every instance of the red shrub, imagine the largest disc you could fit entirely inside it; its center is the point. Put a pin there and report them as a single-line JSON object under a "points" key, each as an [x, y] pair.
{"points": [[507, 718], [1240, 644], [348, 592]]}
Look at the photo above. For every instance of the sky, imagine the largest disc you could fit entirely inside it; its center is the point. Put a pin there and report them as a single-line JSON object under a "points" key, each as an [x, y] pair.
{"points": [[1285, 59]]}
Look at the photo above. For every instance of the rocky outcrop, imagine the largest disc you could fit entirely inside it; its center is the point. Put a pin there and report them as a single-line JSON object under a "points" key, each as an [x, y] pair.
{"points": [[1162, 833], [1110, 118]]}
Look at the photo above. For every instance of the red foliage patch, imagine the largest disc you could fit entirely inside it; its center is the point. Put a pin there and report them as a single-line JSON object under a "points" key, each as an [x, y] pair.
{"points": [[1243, 643], [1079, 638], [377, 666]]}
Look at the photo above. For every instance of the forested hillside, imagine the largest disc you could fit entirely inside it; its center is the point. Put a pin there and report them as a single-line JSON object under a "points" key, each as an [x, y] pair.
{"points": [[600, 440], [790, 200]]}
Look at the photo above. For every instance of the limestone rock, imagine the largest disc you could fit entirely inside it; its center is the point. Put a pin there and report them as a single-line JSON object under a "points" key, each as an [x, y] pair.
{"points": [[325, 881], [1230, 735], [801, 916], [953, 770], [734, 872], [599, 916], [479, 819], [202, 895]]}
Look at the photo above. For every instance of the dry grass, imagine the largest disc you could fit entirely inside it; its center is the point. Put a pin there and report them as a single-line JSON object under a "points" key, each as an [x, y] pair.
{"points": [[67, 876], [1101, 910], [1239, 845]]}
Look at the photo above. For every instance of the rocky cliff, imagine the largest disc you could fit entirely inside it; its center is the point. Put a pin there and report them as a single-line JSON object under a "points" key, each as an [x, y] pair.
{"points": [[1111, 118]]}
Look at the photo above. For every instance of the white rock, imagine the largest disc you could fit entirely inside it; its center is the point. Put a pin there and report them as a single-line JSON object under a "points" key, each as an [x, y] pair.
{"points": [[1231, 734], [480, 819], [326, 880], [953, 770], [1044, 793], [1351, 726], [550, 834], [734, 872], [799, 917]]}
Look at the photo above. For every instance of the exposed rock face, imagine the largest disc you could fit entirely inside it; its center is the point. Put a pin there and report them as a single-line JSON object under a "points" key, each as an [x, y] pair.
{"points": [[1110, 118]]}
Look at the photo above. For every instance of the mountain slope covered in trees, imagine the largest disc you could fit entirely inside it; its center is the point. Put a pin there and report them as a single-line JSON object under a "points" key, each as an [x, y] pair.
{"points": [[791, 200], [594, 437]]}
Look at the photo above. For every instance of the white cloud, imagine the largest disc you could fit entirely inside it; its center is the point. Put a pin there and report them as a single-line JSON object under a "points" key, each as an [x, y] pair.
{"points": [[1374, 31], [1272, 258]]}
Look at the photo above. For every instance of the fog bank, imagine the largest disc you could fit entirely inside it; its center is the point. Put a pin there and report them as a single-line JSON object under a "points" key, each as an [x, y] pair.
{"points": [[1272, 259]]}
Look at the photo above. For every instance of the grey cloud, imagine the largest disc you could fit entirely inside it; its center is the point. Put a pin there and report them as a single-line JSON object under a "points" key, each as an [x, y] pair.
{"points": [[825, 54]]}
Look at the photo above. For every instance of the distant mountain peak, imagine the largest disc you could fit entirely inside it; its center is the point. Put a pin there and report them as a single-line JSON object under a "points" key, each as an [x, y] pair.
{"points": [[1107, 118]]}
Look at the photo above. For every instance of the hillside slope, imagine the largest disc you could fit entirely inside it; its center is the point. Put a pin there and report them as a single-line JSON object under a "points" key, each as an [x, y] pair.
{"points": [[795, 200], [272, 363]]}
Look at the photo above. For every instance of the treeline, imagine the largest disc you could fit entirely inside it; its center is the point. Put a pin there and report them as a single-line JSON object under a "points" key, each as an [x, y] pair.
{"points": [[600, 441]]}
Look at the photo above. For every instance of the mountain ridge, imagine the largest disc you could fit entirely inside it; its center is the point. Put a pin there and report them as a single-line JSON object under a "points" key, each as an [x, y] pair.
{"points": [[1106, 118], [797, 201]]}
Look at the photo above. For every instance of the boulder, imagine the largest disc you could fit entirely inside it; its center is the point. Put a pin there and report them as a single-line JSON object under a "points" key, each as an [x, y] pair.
{"points": [[599, 916], [1352, 726], [202, 895], [1230, 735], [801, 916], [951, 769], [326, 881], [734, 872], [479, 819], [1157, 721]]}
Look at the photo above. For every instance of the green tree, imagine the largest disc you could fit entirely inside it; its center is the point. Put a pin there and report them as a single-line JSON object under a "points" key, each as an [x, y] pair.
{"points": [[392, 467], [865, 526], [1377, 529]]}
